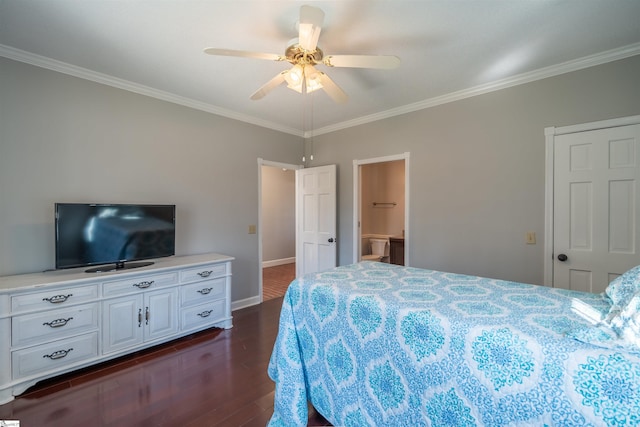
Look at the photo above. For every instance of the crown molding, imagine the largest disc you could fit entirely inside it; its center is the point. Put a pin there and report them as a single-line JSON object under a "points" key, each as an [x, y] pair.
{"points": [[83, 73], [542, 73], [551, 71]]}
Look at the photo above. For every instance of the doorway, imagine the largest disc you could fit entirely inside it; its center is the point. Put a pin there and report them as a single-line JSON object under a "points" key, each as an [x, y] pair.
{"points": [[592, 194], [381, 206], [276, 227]]}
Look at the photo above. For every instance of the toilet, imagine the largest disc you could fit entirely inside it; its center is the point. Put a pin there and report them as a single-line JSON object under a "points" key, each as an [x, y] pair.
{"points": [[379, 250]]}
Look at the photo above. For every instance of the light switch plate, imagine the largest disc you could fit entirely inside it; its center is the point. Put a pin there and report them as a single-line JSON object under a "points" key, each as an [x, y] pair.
{"points": [[531, 238]]}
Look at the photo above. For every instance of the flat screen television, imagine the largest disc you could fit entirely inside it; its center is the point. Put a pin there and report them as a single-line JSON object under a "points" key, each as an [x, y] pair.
{"points": [[112, 236]]}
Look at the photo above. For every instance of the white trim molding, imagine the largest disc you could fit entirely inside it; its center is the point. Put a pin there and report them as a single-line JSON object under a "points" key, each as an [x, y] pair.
{"points": [[550, 133], [542, 73], [554, 70], [105, 79], [244, 303], [277, 262]]}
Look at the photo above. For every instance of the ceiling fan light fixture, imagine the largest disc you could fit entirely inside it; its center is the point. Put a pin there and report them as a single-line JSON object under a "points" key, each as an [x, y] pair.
{"points": [[295, 76], [312, 79], [303, 78], [297, 88], [313, 85]]}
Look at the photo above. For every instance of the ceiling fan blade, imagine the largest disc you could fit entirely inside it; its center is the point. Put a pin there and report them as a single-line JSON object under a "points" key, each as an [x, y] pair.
{"points": [[362, 61], [309, 27], [269, 86], [332, 89], [243, 53]]}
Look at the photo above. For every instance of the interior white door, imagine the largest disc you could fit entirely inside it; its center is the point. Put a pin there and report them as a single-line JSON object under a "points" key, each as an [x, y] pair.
{"points": [[596, 207], [315, 219]]}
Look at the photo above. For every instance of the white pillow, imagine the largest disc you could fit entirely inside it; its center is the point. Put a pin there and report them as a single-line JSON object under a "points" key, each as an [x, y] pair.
{"points": [[626, 323], [622, 288], [620, 330]]}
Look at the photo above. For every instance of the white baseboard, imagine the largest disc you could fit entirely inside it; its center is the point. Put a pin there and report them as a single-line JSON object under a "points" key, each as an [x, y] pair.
{"points": [[275, 262], [248, 302], [244, 303]]}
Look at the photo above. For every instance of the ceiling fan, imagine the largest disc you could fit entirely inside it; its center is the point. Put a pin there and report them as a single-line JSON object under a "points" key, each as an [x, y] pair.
{"points": [[305, 54]]}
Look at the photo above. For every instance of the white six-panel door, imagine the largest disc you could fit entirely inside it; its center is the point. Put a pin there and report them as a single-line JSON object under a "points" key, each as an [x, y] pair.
{"points": [[596, 207], [316, 219]]}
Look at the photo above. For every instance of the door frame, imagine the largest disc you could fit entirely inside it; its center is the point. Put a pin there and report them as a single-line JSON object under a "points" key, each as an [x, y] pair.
{"points": [[261, 163], [550, 133], [357, 199]]}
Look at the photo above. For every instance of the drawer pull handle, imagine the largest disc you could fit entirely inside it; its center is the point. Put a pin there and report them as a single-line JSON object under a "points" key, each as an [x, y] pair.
{"points": [[57, 354], [205, 273], [144, 285], [139, 318], [205, 313], [205, 291], [146, 315], [58, 323], [57, 299]]}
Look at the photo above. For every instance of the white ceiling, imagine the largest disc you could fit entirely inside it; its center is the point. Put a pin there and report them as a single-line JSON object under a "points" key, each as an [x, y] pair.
{"points": [[449, 49]]}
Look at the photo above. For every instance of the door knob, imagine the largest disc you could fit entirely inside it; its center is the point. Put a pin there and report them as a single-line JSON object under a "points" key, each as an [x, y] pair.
{"points": [[562, 258], [330, 240]]}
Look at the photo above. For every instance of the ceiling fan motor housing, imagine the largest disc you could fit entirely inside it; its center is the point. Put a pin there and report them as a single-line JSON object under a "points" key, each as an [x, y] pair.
{"points": [[296, 54]]}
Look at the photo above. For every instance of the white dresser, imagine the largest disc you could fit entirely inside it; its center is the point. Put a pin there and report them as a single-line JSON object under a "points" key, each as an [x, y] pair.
{"points": [[58, 321]]}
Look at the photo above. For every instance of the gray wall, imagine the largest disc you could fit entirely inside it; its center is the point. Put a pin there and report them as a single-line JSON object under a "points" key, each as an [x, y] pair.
{"points": [[64, 139], [477, 168], [278, 214]]}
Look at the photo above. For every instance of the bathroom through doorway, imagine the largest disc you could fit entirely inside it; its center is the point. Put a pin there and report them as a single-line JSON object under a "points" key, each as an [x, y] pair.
{"points": [[381, 209]]}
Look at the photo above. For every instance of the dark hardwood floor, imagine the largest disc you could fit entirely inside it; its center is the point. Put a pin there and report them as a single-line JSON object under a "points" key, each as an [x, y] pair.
{"points": [[276, 280], [212, 378]]}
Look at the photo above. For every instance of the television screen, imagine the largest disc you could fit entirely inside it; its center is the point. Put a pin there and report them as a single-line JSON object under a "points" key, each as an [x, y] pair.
{"points": [[98, 234]]}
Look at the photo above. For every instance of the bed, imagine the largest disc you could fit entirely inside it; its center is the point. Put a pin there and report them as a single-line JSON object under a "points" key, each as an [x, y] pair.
{"points": [[373, 344]]}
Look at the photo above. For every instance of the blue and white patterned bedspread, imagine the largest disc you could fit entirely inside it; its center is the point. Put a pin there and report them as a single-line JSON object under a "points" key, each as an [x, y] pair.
{"points": [[373, 344]]}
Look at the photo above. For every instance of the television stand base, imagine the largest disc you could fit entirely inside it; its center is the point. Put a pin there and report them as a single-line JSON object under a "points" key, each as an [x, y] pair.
{"points": [[118, 266]]}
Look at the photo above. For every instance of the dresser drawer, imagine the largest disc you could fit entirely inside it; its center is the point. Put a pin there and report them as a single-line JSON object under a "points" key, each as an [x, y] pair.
{"points": [[198, 293], [30, 329], [203, 314], [54, 356], [209, 271], [53, 298], [133, 285]]}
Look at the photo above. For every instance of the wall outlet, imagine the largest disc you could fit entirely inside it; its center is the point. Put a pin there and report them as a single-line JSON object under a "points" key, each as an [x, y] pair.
{"points": [[252, 229], [531, 238]]}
